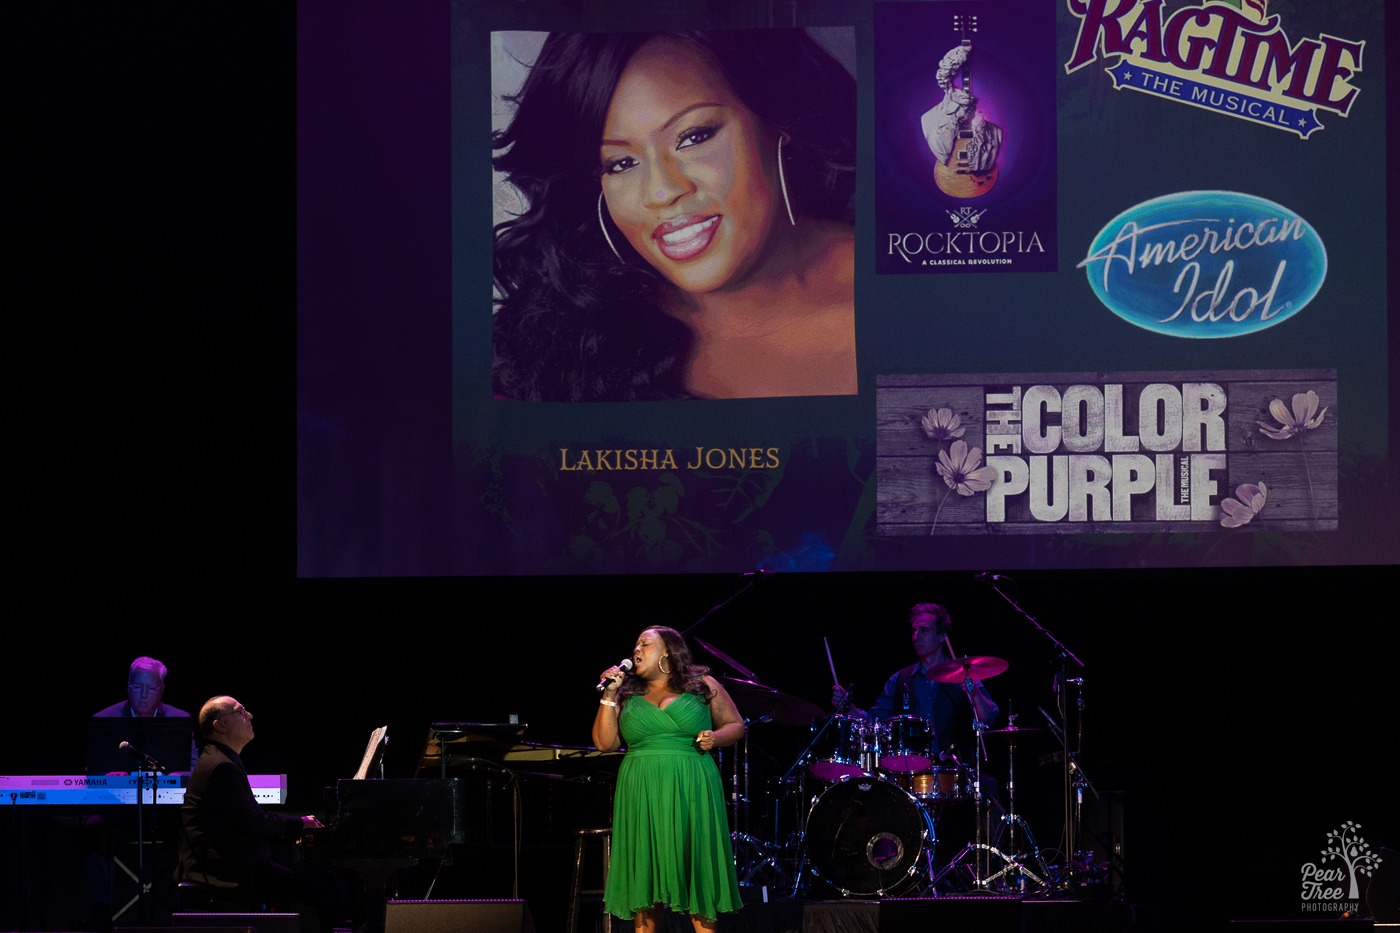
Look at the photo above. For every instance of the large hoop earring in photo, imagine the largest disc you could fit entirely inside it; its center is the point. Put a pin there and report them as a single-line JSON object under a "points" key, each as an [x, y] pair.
{"points": [[604, 228], [782, 183]]}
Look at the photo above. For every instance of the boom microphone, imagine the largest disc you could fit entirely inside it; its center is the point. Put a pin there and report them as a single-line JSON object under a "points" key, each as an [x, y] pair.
{"points": [[625, 665], [987, 577]]}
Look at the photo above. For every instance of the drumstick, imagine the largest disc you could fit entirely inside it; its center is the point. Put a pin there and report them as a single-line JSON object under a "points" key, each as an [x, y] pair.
{"points": [[832, 664]]}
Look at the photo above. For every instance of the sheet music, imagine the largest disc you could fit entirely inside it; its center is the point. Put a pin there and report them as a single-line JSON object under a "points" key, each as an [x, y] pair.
{"points": [[376, 738]]}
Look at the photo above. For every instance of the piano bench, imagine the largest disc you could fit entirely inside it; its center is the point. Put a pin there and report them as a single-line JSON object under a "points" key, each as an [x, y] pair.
{"points": [[604, 838]]}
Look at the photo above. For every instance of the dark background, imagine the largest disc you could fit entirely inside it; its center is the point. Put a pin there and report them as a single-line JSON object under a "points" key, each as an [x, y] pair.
{"points": [[1240, 714]]}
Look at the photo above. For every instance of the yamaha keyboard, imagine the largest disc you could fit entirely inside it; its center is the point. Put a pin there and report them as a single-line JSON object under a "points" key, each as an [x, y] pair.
{"points": [[117, 789]]}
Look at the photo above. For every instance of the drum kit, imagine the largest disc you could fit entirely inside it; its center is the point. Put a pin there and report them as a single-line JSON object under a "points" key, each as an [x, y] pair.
{"points": [[873, 808]]}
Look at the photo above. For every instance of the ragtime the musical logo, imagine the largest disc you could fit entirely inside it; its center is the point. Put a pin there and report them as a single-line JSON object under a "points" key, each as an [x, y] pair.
{"points": [[1236, 62]]}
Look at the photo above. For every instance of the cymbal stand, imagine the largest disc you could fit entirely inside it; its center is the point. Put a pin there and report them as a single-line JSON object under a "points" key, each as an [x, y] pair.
{"points": [[769, 862], [977, 849], [800, 874], [739, 789], [979, 806], [1065, 657], [1011, 864], [1011, 820], [1079, 779], [758, 851]]}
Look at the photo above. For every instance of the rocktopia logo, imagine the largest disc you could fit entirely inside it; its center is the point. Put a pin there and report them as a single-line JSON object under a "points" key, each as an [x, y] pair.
{"points": [[1333, 883], [965, 244]]}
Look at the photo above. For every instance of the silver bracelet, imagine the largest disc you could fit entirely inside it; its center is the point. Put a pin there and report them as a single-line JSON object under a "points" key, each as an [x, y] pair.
{"points": [[607, 703]]}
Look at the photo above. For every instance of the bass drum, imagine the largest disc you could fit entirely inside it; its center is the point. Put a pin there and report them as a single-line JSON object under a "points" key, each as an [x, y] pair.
{"points": [[866, 835]]}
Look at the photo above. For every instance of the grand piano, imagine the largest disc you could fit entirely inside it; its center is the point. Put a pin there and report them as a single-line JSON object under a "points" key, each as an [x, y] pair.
{"points": [[481, 796]]}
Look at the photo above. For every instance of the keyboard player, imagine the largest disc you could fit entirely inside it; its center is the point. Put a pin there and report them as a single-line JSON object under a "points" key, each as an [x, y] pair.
{"points": [[145, 690], [226, 836]]}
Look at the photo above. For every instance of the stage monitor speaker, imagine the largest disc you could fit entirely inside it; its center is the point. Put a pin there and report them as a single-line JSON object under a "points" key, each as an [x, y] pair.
{"points": [[921, 915], [261, 922], [501, 916], [1383, 890]]}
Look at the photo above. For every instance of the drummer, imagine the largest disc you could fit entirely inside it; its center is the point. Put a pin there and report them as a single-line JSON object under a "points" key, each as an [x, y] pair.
{"points": [[944, 705]]}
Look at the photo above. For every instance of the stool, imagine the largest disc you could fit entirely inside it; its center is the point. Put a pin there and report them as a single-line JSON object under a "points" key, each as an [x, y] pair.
{"points": [[603, 836]]}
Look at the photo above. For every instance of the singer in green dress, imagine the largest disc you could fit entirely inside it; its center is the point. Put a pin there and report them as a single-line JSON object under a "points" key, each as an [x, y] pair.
{"points": [[671, 845]]}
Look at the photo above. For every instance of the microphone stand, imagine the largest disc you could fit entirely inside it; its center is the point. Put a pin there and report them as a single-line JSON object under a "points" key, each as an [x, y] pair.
{"points": [[1063, 656], [753, 579], [141, 883], [148, 766]]}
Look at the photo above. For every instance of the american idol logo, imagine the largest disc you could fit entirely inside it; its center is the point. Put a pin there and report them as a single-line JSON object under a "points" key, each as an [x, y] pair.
{"points": [[1206, 264]]}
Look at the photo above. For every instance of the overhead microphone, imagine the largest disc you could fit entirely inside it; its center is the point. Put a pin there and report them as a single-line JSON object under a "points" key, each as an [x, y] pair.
{"points": [[625, 665], [757, 572], [988, 577]]}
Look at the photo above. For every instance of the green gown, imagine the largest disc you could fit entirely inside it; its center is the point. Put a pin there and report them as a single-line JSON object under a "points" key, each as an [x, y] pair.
{"points": [[670, 833]]}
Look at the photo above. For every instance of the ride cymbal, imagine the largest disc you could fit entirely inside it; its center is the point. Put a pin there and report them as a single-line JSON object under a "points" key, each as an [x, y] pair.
{"points": [[955, 671]]}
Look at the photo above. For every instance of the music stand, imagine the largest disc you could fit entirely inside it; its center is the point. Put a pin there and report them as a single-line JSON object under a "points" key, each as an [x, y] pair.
{"points": [[467, 743], [166, 739]]}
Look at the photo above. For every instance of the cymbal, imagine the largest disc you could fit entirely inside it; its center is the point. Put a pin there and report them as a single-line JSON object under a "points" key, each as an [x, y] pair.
{"points": [[738, 668], [1014, 734], [979, 667], [760, 702]]}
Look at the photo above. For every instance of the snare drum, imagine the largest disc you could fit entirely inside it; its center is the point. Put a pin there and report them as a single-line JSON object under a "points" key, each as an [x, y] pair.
{"points": [[841, 749], [908, 745], [945, 782]]}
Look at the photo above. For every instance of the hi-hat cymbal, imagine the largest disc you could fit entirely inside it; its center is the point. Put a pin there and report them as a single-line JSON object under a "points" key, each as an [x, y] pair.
{"points": [[955, 671], [760, 702], [1014, 734]]}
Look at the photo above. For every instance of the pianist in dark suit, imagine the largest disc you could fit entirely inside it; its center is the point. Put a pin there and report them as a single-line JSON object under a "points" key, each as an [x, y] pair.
{"points": [[226, 836]]}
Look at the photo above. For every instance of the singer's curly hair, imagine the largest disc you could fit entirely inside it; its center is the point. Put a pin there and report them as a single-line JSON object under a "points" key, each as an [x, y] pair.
{"points": [[686, 675]]}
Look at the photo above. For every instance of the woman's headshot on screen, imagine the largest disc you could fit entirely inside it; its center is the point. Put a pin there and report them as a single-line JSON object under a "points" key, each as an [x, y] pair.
{"points": [[686, 220]]}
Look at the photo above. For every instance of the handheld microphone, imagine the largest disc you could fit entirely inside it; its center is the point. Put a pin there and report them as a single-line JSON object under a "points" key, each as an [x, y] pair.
{"points": [[150, 763], [988, 577], [625, 665]]}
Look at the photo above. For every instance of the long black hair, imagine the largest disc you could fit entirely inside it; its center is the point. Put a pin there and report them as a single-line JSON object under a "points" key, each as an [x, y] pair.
{"points": [[687, 676], [572, 323]]}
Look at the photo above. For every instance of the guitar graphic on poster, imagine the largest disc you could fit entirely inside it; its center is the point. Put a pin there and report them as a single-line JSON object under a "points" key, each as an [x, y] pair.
{"points": [[964, 143]]}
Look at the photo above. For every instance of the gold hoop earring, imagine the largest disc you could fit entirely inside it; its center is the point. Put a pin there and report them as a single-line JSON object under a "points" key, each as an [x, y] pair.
{"points": [[782, 185], [604, 228], [664, 670]]}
